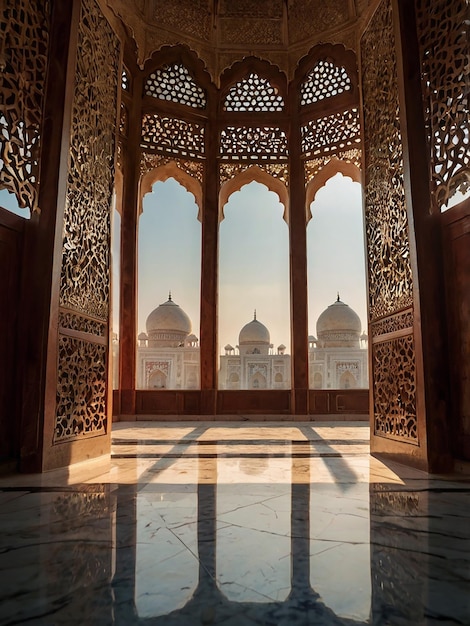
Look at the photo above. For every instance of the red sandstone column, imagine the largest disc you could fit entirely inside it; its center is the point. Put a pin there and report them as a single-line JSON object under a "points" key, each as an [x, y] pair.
{"points": [[298, 266], [129, 225]]}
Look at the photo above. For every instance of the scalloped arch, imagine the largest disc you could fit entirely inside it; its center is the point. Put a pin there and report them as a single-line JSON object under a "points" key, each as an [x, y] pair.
{"points": [[180, 53], [253, 173], [333, 167], [238, 70], [163, 173], [335, 52]]}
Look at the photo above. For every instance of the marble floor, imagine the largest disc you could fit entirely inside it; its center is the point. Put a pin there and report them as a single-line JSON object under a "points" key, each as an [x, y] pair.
{"points": [[276, 524]]}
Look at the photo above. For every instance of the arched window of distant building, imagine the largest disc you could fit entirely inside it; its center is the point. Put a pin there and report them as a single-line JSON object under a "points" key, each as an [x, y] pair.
{"points": [[317, 380], [347, 381]]}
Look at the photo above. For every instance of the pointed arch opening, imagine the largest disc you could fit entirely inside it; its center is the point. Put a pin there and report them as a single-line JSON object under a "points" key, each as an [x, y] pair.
{"points": [[338, 355], [164, 172], [253, 276], [333, 167], [169, 277], [251, 174]]}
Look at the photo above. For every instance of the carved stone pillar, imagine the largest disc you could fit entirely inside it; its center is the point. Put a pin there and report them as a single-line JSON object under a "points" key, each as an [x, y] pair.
{"points": [[298, 271], [130, 216], [209, 267]]}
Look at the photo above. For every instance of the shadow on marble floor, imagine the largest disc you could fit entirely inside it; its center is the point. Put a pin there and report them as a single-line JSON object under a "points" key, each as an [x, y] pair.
{"points": [[236, 527]]}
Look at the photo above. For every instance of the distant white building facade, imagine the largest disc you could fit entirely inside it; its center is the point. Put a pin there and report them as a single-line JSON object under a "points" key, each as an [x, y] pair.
{"points": [[252, 364], [168, 353], [338, 356]]}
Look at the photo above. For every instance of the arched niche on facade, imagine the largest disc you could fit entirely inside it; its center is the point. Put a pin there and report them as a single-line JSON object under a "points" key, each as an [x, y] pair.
{"points": [[253, 173], [163, 173], [333, 167]]}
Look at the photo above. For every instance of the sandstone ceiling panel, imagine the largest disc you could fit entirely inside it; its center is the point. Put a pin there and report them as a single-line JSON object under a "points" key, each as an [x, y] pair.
{"points": [[222, 32]]}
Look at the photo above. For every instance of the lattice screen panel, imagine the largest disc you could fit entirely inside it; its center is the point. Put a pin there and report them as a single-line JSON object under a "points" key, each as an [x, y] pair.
{"points": [[174, 83], [125, 81], [390, 278], [81, 389], [332, 133], [253, 143], [170, 135], [253, 93], [85, 275], [325, 80], [123, 120], [395, 388], [228, 170], [24, 42], [388, 249], [151, 160], [444, 37]]}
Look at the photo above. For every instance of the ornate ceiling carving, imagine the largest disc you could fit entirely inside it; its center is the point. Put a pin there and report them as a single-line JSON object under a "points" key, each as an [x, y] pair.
{"points": [[222, 32]]}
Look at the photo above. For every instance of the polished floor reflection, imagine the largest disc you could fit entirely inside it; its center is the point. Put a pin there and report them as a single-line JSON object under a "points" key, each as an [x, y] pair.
{"points": [[209, 523]]}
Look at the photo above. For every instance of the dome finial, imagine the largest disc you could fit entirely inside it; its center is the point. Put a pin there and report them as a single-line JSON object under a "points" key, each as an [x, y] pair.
{"points": [[169, 296], [254, 317], [337, 299]]}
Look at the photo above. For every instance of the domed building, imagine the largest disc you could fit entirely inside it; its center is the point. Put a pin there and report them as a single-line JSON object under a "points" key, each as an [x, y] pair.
{"points": [[254, 338], [253, 364], [338, 327], [168, 326], [168, 353], [338, 356]]}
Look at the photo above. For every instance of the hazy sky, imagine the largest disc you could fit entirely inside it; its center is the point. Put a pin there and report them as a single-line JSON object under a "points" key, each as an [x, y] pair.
{"points": [[253, 256], [335, 249], [254, 265], [169, 252]]}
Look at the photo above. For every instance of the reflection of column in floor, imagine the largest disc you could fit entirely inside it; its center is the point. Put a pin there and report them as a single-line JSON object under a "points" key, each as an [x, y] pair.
{"points": [[63, 564], [126, 545], [300, 528], [398, 548], [448, 556], [207, 525]]}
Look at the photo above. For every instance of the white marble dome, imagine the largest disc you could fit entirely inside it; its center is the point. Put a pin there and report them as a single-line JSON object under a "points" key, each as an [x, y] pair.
{"points": [[168, 325], [254, 337], [338, 326]]}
